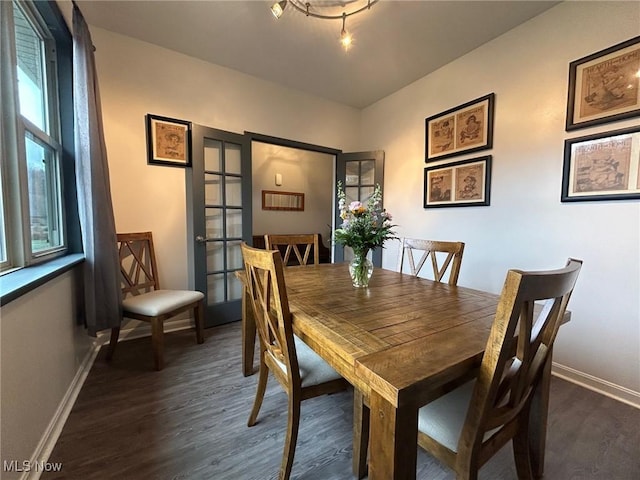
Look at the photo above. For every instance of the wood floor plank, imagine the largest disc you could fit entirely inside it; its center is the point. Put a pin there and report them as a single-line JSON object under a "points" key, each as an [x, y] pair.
{"points": [[189, 421]]}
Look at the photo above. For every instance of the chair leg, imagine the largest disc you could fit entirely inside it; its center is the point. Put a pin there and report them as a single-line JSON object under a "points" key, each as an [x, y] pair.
{"points": [[293, 423], [521, 450], [263, 376], [360, 435], [113, 342], [198, 313], [157, 341]]}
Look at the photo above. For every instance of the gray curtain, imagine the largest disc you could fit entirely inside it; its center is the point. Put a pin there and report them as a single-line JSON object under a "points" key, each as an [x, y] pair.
{"points": [[102, 294]]}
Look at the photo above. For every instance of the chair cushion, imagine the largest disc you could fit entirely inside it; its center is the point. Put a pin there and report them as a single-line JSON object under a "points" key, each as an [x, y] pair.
{"points": [[444, 418], [159, 302], [313, 369]]}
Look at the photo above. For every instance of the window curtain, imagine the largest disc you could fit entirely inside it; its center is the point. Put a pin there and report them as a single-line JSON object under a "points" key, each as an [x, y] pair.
{"points": [[102, 294]]}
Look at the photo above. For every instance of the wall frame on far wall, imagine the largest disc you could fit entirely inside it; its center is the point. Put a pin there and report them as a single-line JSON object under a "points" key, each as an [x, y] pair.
{"points": [[277, 200], [168, 141], [604, 166], [604, 86], [460, 184], [463, 129]]}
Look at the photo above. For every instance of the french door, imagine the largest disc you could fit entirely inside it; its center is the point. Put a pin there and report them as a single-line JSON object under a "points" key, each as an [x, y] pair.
{"points": [[220, 190], [359, 173]]}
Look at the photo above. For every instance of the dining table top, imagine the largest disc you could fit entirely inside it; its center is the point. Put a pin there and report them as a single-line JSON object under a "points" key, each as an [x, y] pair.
{"points": [[433, 331]]}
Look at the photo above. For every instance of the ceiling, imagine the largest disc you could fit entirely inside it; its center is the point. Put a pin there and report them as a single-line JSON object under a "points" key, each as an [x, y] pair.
{"points": [[395, 42]]}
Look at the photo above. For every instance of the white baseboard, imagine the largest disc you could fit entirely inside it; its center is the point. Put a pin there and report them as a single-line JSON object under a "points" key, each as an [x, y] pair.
{"points": [[596, 384], [50, 437]]}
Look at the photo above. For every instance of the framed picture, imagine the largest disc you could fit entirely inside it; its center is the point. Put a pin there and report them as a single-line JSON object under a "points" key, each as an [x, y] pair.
{"points": [[276, 200], [603, 87], [463, 129], [605, 166], [168, 141], [460, 184]]}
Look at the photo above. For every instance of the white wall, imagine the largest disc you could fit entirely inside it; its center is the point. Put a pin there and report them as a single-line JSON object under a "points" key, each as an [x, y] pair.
{"points": [[302, 171], [42, 351], [526, 225], [135, 80]]}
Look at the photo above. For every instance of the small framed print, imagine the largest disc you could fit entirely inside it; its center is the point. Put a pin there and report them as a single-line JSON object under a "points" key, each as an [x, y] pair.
{"points": [[463, 129], [168, 141], [604, 86], [605, 166], [459, 184]]}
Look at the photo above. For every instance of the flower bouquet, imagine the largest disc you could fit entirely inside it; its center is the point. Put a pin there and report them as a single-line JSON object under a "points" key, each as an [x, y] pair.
{"points": [[364, 227]]}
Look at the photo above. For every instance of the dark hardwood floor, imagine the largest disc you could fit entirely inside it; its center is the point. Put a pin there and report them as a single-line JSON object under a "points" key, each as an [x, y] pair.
{"points": [[189, 421]]}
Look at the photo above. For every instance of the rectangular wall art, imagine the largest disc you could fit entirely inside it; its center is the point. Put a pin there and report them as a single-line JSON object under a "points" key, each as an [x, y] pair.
{"points": [[463, 129], [604, 166], [460, 184]]}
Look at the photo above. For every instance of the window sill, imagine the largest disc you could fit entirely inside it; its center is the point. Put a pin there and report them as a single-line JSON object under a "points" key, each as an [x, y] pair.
{"points": [[15, 284]]}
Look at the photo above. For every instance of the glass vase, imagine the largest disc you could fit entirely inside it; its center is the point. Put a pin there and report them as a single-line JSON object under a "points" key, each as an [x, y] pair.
{"points": [[360, 269]]}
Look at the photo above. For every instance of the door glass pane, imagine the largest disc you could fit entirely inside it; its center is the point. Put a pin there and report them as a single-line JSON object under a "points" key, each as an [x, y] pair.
{"points": [[213, 222], [212, 189], [233, 192], [352, 194], [215, 256], [367, 171], [215, 288], [42, 179], [234, 256], [31, 72], [232, 158], [365, 193], [234, 288], [234, 223], [212, 155], [352, 173]]}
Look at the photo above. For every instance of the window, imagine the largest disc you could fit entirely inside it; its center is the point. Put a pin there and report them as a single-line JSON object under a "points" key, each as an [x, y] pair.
{"points": [[33, 225]]}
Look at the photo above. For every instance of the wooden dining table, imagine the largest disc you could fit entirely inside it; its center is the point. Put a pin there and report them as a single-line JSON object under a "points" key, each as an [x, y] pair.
{"points": [[401, 342]]}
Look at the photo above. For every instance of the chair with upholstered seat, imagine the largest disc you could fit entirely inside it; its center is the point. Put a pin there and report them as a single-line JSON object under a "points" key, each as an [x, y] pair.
{"points": [[293, 243], [468, 425], [299, 370], [426, 248], [143, 299]]}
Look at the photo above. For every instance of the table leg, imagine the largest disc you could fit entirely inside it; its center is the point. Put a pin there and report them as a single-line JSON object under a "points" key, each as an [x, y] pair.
{"points": [[393, 441], [248, 335], [538, 419]]}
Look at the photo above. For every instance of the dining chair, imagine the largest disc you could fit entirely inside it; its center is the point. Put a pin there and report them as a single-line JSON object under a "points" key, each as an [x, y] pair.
{"points": [[467, 426], [143, 299], [301, 372], [293, 243], [426, 248]]}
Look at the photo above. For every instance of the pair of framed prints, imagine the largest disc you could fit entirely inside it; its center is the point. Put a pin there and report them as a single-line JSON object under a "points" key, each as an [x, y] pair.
{"points": [[463, 129]]}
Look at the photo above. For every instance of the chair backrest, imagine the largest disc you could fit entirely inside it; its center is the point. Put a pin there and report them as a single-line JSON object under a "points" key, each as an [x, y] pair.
{"points": [[138, 273], [426, 248], [516, 352], [292, 243], [268, 296]]}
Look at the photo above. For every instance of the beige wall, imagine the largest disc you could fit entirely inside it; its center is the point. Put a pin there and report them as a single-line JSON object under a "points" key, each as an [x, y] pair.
{"points": [[526, 225], [41, 352], [311, 173]]}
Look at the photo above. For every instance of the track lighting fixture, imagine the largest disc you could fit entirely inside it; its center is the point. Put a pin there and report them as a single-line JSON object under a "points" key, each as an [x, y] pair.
{"points": [[311, 11]]}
